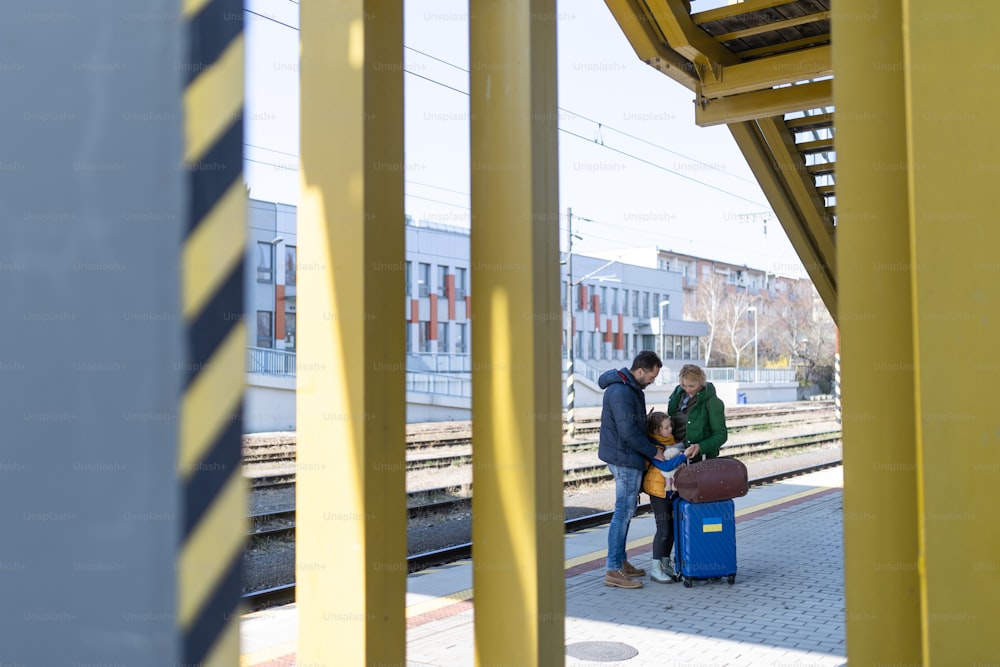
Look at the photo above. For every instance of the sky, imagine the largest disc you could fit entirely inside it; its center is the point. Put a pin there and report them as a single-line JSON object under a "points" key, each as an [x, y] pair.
{"points": [[634, 168]]}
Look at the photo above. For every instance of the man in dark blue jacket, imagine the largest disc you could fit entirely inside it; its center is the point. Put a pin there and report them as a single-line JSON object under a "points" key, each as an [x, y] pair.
{"points": [[625, 446]]}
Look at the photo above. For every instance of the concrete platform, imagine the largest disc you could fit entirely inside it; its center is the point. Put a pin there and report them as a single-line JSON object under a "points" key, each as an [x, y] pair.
{"points": [[786, 607]]}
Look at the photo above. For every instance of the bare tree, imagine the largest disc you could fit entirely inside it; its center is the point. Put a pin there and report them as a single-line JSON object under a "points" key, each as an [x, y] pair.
{"points": [[708, 307], [802, 326], [735, 322]]}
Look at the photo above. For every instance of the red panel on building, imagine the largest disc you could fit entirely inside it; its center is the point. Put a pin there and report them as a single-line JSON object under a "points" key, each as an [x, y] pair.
{"points": [[595, 301], [449, 287], [414, 311], [582, 304], [279, 312], [434, 318], [620, 336], [607, 332]]}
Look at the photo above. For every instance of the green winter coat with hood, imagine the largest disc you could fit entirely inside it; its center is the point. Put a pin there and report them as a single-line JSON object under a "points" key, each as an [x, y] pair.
{"points": [[706, 424]]}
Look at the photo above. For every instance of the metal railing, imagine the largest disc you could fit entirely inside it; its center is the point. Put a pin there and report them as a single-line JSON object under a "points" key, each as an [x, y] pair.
{"points": [[439, 383], [270, 362], [441, 363], [730, 374]]}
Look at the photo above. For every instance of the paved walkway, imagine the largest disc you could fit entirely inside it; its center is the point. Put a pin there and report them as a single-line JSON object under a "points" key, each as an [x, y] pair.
{"points": [[786, 608]]}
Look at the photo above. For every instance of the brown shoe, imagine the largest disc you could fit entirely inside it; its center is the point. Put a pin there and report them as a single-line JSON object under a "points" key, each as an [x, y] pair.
{"points": [[620, 579], [632, 570]]}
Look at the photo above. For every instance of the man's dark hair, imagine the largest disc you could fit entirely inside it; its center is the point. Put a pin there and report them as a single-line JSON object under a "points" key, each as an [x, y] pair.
{"points": [[647, 360]]}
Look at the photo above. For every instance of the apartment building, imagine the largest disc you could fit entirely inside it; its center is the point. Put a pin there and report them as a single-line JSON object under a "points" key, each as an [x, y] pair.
{"points": [[618, 308]]}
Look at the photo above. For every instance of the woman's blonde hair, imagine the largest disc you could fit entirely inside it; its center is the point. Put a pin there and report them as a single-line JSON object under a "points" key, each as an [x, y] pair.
{"points": [[693, 372]]}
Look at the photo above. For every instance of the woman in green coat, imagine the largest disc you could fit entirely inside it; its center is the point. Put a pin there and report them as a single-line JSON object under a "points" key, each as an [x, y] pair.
{"points": [[697, 414]]}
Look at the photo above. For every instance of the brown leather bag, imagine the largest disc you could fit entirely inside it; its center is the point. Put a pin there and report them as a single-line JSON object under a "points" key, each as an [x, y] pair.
{"points": [[711, 480]]}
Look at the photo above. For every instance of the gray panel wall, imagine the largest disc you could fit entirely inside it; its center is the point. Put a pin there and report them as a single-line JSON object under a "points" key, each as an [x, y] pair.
{"points": [[90, 336]]}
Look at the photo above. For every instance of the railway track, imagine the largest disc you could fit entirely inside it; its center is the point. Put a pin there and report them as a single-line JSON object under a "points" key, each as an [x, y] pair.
{"points": [[421, 452], [285, 594], [458, 497]]}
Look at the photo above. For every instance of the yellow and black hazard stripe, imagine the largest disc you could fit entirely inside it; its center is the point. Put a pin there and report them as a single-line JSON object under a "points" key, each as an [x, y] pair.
{"points": [[213, 530]]}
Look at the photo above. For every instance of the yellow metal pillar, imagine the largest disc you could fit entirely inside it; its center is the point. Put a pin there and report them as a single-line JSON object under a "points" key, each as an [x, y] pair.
{"points": [[517, 525], [919, 292], [953, 92], [875, 319], [351, 413]]}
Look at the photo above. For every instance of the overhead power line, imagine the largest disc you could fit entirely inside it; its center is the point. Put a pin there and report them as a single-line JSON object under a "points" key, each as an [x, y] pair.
{"points": [[599, 124]]}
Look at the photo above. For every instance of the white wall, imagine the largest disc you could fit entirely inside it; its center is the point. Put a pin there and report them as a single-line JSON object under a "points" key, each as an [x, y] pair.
{"points": [[270, 400], [269, 403]]}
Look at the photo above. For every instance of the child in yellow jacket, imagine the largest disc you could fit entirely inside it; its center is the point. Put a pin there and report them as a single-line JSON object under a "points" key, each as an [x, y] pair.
{"points": [[659, 484]]}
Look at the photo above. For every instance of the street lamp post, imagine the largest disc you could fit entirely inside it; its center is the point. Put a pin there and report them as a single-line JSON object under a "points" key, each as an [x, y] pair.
{"points": [[663, 350], [754, 309]]}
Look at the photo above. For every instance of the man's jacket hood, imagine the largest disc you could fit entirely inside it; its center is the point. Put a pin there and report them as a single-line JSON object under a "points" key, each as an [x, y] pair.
{"points": [[622, 375]]}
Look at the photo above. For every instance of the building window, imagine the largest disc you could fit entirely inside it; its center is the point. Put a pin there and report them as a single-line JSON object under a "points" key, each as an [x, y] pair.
{"points": [[460, 285], [425, 336], [624, 302], [406, 276], [562, 296], [443, 337], [442, 284], [604, 300], [290, 264], [461, 342], [424, 279], [289, 330], [409, 338], [265, 268], [614, 300], [265, 336], [668, 347], [635, 303]]}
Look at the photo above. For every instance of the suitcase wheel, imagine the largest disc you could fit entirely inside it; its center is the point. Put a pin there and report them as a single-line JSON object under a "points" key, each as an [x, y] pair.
{"points": [[731, 579], [687, 582]]}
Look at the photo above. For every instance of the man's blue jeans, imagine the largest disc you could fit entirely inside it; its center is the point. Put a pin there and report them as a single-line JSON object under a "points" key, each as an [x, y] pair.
{"points": [[628, 483]]}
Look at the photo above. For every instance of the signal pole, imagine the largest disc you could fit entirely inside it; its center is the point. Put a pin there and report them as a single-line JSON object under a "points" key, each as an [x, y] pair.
{"points": [[570, 321]]}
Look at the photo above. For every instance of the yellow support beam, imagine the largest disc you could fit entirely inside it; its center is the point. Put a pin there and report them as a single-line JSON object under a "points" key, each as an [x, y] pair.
{"points": [[801, 185], [687, 39], [650, 44], [517, 518], [766, 73], [764, 104], [819, 146], [351, 412], [881, 512], [771, 27], [783, 47], [952, 142], [737, 9], [816, 254]]}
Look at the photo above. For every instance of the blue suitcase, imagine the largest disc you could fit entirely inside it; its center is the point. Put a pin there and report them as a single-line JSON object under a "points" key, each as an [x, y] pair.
{"points": [[705, 540]]}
